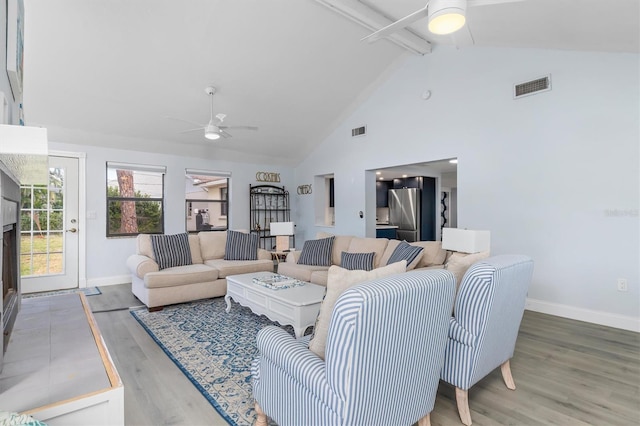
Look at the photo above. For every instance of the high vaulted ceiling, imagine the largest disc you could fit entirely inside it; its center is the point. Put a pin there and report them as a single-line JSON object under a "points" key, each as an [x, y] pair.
{"points": [[109, 72]]}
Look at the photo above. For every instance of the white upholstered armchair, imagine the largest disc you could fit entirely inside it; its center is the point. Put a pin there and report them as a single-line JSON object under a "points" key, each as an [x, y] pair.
{"points": [[384, 353], [483, 331]]}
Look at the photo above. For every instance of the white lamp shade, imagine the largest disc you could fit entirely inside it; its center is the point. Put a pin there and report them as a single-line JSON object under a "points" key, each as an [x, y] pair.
{"points": [[465, 240], [281, 228]]}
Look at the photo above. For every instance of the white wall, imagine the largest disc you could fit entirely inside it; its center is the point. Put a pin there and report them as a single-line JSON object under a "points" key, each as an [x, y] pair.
{"points": [[106, 257], [5, 86], [543, 173]]}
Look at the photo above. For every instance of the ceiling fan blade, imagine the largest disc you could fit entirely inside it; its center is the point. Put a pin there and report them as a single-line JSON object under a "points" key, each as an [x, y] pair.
{"points": [[398, 25], [238, 127], [185, 121], [199, 129], [224, 134], [490, 2]]}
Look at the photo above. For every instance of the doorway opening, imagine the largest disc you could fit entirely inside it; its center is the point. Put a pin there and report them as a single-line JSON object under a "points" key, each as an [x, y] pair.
{"points": [[441, 205]]}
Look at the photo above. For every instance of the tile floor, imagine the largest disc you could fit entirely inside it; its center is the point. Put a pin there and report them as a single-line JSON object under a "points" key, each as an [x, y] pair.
{"points": [[51, 356]]}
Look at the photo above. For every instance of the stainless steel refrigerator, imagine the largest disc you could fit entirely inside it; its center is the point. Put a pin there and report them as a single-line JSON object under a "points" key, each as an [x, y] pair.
{"points": [[404, 212]]}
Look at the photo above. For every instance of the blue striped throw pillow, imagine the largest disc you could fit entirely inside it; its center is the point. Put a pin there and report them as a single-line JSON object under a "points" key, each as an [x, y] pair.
{"points": [[241, 246], [405, 251], [317, 252], [171, 250], [357, 261]]}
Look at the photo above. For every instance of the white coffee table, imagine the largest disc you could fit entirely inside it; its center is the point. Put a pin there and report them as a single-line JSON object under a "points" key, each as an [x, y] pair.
{"points": [[297, 306]]}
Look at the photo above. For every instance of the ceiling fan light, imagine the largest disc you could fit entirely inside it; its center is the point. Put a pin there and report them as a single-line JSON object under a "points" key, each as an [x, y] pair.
{"points": [[212, 132], [446, 21], [446, 16]]}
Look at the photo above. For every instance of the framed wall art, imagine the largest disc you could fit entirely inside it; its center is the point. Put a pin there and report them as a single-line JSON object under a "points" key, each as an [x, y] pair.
{"points": [[15, 46]]}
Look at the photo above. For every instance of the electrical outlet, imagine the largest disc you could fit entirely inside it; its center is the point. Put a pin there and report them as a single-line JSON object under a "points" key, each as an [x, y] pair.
{"points": [[622, 284]]}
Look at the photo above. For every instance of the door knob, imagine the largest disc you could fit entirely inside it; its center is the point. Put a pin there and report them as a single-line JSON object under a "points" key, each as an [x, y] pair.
{"points": [[72, 230]]}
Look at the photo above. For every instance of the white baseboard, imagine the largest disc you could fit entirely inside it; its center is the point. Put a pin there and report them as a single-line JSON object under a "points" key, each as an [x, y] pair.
{"points": [[586, 315], [103, 281]]}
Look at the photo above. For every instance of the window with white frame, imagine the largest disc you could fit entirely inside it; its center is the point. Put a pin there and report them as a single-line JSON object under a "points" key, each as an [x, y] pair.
{"points": [[207, 200], [135, 199]]}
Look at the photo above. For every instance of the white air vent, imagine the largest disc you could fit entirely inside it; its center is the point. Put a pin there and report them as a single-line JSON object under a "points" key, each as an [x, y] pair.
{"points": [[359, 131], [532, 87]]}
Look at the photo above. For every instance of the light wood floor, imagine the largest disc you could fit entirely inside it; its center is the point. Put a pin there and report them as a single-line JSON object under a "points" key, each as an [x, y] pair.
{"points": [[566, 372]]}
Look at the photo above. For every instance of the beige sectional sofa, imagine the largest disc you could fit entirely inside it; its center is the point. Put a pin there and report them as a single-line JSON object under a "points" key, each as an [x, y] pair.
{"points": [[204, 278], [432, 256]]}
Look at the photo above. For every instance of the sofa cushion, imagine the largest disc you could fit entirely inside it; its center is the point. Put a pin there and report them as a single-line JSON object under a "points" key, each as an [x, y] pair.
{"points": [[320, 277], [143, 242], [433, 254], [366, 245], [299, 271], [353, 261], [338, 281], [340, 244], [241, 246], [405, 251], [171, 250], [458, 263], [180, 275], [234, 267], [317, 252], [194, 245], [212, 244]]}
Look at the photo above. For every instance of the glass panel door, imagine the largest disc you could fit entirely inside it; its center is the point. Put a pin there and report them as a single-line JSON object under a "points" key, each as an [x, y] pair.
{"points": [[49, 231]]}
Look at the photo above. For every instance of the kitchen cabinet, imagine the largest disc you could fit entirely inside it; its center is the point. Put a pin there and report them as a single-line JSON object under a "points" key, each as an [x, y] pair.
{"points": [[382, 192], [408, 182], [386, 232]]}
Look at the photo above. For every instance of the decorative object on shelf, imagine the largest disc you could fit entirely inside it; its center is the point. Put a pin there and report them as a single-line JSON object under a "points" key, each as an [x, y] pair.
{"points": [[282, 231], [465, 240], [443, 211], [267, 177], [277, 281], [268, 204], [304, 189], [15, 46]]}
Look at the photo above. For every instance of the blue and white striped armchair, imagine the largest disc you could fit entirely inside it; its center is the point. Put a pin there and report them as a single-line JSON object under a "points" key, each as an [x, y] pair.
{"points": [[483, 331], [384, 353]]}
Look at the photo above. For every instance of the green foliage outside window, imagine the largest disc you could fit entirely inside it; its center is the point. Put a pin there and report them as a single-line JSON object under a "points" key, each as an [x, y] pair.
{"points": [[148, 213], [41, 209]]}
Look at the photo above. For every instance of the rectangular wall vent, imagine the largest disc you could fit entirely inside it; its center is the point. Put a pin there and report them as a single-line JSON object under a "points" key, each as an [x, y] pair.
{"points": [[532, 87], [359, 131]]}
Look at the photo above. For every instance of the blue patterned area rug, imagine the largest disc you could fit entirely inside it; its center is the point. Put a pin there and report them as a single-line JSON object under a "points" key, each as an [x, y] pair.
{"points": [[214, 349], [88, 291]]}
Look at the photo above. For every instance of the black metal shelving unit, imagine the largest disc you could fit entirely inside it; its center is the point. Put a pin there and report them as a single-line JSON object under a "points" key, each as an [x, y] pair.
{"points": [[268, 203]]}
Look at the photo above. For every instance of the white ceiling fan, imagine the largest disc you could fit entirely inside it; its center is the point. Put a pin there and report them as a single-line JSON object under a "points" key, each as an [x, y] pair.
{"points": [[445, 17], [213, 129]]}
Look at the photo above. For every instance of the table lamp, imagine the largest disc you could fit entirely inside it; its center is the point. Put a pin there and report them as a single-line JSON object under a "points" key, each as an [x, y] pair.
{"points": [[465, 240], [282, 232]]}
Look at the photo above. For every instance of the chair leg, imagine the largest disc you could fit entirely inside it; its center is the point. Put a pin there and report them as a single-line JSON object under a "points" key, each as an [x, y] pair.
{"points": [[425, 421], [462, 399], [506, 375], [261, 419]]}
